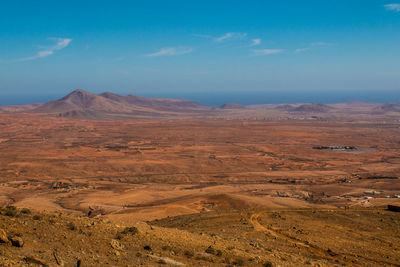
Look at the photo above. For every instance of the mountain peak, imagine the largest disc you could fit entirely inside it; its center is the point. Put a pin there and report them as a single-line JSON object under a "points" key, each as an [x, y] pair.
{"points": [[79, 92], [79, 97], [80, 103]]}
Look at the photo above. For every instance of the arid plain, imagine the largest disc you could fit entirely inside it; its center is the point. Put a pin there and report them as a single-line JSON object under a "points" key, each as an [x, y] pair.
{"points": [[143, 170], [266, 185]]}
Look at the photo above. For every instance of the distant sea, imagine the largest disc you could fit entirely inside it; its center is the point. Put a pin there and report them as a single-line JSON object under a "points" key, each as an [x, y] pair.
{"points": [[248, 98]]}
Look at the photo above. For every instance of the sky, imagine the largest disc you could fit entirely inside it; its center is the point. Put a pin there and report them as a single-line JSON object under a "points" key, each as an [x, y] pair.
{"points": [[213, 52]]}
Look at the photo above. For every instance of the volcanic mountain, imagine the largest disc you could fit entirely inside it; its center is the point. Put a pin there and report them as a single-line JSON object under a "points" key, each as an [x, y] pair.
{"points": [[83, 104], [79, 100]]}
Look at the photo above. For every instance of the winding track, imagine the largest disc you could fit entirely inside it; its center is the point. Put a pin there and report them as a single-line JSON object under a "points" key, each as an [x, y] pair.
{"points": [[321, 253]]}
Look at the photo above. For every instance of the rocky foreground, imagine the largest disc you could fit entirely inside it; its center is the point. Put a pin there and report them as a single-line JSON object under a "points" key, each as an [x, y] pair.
{"points": [[364, 237]]}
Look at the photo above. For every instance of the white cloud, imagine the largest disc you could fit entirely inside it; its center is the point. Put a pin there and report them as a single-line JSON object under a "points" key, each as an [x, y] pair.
{"points": [[255, 42], [230, 35], [61, 43], [393, 7], [267, 51], [170, 51], [299, 50]]}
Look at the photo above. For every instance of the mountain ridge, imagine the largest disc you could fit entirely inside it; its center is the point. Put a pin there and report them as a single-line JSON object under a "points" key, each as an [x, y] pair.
{"points": [[83, 104]]}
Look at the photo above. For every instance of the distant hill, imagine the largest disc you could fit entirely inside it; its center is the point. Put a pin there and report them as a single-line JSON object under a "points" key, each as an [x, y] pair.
{"points": [[312, 108], [285, 107], [20, 109], [154, 103], [354, 105], [85, 105], [232, 106], [390, 107]]}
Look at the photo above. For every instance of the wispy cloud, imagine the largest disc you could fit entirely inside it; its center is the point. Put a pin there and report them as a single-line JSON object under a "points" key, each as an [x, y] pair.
{"points": [[303, 49], [230, 35], [171, 51], [61, 43], [393, 7], [267, 51], [255, 42]]}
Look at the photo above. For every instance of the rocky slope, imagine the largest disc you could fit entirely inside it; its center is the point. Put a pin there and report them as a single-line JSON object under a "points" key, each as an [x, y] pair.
{"points": [[364, 237]]}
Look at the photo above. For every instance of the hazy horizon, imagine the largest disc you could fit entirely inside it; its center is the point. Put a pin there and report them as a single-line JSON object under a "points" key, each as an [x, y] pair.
{"points": [[217, 99]]}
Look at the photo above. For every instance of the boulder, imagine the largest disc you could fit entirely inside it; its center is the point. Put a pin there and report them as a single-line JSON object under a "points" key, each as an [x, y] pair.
{"points": [[394, 207], [17, 241]]}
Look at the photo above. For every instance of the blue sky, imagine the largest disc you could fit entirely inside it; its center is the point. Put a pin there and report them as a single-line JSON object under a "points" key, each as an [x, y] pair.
{"points": [[209, 51]]}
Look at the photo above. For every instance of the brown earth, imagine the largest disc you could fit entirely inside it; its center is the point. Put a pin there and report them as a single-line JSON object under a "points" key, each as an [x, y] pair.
{"points": [[140, 170], [296, 237], [204, 171]]}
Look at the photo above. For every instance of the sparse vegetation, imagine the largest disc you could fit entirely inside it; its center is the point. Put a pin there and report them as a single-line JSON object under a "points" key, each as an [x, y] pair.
{"points": [[71, 226], [188, 254], [238, 262], [130, 230], [11, 211], [127, 231], [210, 250], [25, 211], [166, 248], [37, 217]]}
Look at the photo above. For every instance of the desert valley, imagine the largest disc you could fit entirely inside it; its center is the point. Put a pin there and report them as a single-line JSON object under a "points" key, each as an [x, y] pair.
{"points": [[201, 186]]}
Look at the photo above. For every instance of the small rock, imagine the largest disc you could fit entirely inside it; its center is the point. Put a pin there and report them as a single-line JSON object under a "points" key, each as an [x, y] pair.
{"points": [[330, 252], [116, 245], [3, 236], [17, 241], [58, 259], [35, 260]]}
